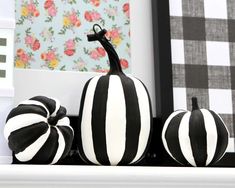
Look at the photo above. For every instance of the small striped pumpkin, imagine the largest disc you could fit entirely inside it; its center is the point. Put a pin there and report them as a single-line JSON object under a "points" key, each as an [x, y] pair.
{"points": [[197, 138], [115, 115], [38, 131]]}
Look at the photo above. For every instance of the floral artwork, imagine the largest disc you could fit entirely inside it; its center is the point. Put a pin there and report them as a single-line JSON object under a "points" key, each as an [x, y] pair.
{"points": [[52, 34]]}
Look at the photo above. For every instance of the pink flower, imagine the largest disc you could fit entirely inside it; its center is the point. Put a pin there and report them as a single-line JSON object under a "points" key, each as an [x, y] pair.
{"points": [[115, 33], [70, 44], [50, 55], [31, 8], [73, 18], [124, 63], [69, 52], [52, 11], [24, 57], [29, 40], [48, 4], [88, 16], [101, 51], [94, 55], [95, 16], [36, 45]]}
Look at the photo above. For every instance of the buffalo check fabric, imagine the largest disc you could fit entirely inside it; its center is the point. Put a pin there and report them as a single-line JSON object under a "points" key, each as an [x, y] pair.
{"points": [[203, 57]]}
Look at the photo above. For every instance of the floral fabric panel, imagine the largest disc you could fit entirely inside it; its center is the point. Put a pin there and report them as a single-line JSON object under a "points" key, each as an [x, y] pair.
{"points": [[51, 34]]}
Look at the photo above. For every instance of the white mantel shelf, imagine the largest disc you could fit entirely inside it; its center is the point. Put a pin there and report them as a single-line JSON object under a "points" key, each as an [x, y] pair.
{"points": [[112, 177]]}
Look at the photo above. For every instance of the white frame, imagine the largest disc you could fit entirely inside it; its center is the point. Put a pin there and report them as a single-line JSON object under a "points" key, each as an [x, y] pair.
{"points": [[67, 86]]}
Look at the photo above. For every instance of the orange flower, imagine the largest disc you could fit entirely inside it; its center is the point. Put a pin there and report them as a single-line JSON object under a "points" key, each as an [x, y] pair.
{"points": [[19, 52], [43, 56], [36, 13], [95, 2], [78, 23]]}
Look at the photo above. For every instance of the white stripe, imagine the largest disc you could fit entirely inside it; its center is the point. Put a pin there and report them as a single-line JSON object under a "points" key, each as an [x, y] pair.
{"points": [[228, 136], [184, 139], [32, 150], [21, 121], [211, 134], [144, 107], [86, 129], [64, 122], [115, 120], [57, 106], [33, 102], [166, 124], [223, 123], [61, 147]]}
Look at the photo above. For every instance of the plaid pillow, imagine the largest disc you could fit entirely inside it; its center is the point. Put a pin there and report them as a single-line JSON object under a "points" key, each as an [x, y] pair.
{"points": [[203, 56]]}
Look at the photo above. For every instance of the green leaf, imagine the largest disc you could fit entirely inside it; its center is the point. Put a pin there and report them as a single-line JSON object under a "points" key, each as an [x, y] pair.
{"points": [[48, 19], [20, 21], [28, 31], [63, 68]]}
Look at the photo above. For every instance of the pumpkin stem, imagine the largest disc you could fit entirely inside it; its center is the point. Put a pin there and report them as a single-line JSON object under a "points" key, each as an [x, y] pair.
{"points": [[115, 67], [194, 104]]}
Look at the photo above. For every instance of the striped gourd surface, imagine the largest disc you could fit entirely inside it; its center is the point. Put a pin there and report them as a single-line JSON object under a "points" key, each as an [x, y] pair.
{"points": [[115, 120], [115, 114], [198, 138], [38, 131]]}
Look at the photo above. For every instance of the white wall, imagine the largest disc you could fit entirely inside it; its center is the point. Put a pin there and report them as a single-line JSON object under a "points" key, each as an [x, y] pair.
{"points": [[142, 44]]}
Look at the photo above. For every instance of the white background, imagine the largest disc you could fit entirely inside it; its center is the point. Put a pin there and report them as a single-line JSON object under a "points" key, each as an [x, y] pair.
{"points": [[67, 86]]}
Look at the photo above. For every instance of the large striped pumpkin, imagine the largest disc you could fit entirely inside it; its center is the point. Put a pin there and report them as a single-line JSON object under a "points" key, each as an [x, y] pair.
{"points": [[38, 131], [198, 138], [115, 115]]}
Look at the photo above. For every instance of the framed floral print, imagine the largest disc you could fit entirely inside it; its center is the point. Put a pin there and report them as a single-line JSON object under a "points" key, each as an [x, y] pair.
{"points": [[54, 58]]}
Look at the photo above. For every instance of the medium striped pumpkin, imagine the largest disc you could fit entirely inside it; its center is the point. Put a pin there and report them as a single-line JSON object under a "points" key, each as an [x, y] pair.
{"points": [[198, 138], [38, 131], [115, 115]]}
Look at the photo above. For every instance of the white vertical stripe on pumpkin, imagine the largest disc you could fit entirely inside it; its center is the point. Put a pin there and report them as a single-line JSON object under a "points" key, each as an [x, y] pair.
{"points": [[64, 122], [37, 103], [57, 106], [211, 134], [227, 133], [184, 139], [20, 121], [86, 127], [115, 125], [32, 149], [165, 128], [143, 101], [61, 147]]}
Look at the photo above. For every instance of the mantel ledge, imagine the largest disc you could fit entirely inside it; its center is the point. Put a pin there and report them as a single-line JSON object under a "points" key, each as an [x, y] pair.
{"points": [[105, 176]]}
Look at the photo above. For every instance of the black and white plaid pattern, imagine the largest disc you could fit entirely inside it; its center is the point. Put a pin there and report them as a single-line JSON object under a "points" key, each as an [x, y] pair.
{"points": [[203, 56]]}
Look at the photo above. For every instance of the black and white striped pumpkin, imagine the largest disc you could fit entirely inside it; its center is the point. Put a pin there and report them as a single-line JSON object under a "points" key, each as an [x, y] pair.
{"points": [[198, 138], [115, 115], [38, 131]]}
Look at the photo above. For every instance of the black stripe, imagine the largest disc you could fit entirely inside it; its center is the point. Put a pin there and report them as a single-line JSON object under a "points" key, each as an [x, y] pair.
{"points": [[98, 120], [78, 138], [172, 138], [49, 103], [61, 113], [151, 126], [24, 137], [48, 151], [198, 137], [68, 138], [24, 109], [133, 122], [222, 140]]}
